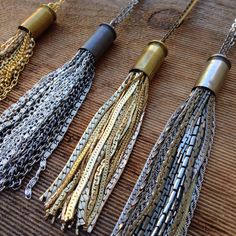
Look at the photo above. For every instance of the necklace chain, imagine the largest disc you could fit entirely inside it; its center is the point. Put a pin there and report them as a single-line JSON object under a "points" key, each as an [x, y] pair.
{"points": [[56, 5], [124, 13], [180, 19], [230, 40]]}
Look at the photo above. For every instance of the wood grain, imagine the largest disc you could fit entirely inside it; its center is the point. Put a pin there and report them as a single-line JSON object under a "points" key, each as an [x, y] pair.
{"points": [[199, 37]]}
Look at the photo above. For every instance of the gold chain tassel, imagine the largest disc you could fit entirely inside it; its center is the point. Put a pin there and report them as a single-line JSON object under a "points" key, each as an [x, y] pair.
{"points": [[101, 157], [14, 55], [16, 52]]}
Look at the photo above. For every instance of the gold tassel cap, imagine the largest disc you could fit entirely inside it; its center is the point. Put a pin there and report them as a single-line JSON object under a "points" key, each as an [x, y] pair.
{"points": [[39, 21], [214, 74], [152, 58]]}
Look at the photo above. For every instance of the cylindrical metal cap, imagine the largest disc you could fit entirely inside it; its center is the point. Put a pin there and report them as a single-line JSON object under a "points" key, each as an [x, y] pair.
{"points": [[101, 40], [39, 21], [213, 76], [152, 58]]}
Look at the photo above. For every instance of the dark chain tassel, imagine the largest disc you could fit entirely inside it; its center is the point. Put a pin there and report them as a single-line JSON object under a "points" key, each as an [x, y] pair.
{"points": [[165, 195]]}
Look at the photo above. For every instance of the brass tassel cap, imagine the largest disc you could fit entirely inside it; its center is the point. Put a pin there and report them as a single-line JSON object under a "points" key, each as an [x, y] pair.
{"points": [[214, 74], [152, 58], [39, 21]]}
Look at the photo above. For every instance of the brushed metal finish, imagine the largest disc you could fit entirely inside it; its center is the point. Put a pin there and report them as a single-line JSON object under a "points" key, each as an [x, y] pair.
{"points": [[101, 40], [39, 21], [214, 74], [152, 58]]}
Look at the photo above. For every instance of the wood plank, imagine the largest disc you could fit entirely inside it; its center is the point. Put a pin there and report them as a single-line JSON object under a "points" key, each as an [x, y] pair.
{"points": [[199, 37]]}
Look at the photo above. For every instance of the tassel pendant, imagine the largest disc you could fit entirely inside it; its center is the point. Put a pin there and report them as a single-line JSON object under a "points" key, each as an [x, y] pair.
{"points": [[14, 55], [173, 171], [42, 120], [165, 196], [16, 52], [91, 173]]}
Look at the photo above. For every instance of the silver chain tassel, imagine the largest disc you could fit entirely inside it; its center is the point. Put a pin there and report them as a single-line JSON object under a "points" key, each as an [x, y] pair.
{"points": [[32, 128]]}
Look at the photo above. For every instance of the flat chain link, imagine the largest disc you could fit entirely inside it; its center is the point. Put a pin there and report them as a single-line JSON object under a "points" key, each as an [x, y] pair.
{"points": [[229, 41]]}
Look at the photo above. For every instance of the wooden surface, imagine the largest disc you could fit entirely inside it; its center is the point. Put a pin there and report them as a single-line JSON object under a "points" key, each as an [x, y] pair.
{"points": [[199, 37]]}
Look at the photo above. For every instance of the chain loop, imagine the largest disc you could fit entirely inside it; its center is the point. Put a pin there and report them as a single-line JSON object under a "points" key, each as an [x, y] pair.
{"points": [[56, 5]]}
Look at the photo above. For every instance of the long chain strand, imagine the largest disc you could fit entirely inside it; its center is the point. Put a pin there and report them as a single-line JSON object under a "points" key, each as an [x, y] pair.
{"points": [[229, 41], [124, 13], [180, 20]]}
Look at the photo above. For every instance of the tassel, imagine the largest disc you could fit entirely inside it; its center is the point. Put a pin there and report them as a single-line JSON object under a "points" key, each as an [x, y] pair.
{"points": [[32, 128], [170, 181], [165, 196], [14, 55], [86, 182], [16, 52], [100, 156]]}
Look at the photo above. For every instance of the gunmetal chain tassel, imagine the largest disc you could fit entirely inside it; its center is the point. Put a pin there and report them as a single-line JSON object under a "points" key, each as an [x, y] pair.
{"points": [[32, 128], [81, 190], [166, 193]]}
